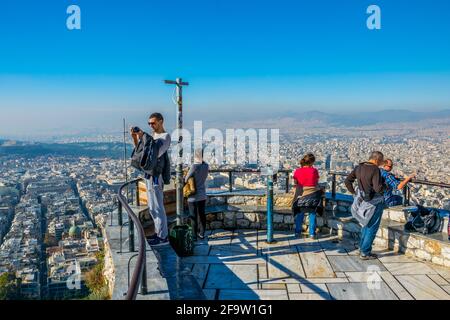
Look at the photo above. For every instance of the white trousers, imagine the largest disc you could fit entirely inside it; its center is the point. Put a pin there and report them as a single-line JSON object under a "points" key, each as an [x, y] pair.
{"points": [[155, 198]]}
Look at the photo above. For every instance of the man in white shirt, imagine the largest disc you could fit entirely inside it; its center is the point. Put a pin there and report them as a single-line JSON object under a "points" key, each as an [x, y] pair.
{"points": [[155, 184]]}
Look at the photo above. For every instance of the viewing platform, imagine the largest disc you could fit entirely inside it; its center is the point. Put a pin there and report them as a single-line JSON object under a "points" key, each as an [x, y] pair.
{"points": [[235, 262]]}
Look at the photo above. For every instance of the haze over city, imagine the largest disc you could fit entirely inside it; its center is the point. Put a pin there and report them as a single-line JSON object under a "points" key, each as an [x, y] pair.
{"points": [[243, 60]]}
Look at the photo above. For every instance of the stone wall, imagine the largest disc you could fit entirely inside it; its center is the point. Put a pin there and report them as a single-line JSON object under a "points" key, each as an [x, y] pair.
{"points": [[108, 269], [283, 218], [249, 219]]}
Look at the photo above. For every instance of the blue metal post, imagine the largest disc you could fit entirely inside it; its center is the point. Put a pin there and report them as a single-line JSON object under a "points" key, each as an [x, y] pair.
{"points": [[270, 208]]}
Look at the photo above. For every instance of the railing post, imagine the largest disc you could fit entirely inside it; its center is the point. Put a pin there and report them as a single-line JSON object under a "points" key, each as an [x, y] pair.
{"points": [[406, 196], [119, 214], [333, 185], [144, 288], [287, 181], [137, 194], [130, 235], [230, 181], [269, 208]]}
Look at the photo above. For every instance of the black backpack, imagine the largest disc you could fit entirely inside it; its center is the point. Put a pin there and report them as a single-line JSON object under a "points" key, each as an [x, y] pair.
{"points": [[424, 220], [145, 155]]}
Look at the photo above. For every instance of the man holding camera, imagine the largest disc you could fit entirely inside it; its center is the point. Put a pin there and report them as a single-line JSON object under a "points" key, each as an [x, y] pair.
{"points": [[155, 184]]}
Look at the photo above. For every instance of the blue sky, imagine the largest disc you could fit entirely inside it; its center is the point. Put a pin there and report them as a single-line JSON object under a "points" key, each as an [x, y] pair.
{"points": [[240, 56]]}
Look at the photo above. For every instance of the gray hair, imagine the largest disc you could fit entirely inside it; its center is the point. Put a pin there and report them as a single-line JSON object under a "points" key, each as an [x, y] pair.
{"points": [[376, 155]]}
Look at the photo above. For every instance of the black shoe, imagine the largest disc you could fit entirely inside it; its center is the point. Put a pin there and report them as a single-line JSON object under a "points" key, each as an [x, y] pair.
{"points": [[370, 256], [158, 242], [200, 236]]}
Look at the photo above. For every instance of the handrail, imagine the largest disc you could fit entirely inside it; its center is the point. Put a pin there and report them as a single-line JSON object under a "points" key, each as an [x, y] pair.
{"points": [[139, 274], [416, 181]]}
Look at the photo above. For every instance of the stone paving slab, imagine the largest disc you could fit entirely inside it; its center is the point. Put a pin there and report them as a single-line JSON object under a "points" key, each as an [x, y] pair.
{"points": [[201, 249], [308, 296], [422, 287], [303, 241], [446, 288], [395, 286], [305, 281], [253, 295], [442, 271], [230, 250], [254, 259], [398, 268], [309, 248], [285, 266], [318, 288], [360, 291], [200, 271], [390, 257], [210, 294], [293, 288], [273, 251], [359, 276], [232, 277], [353, 263], [316, 265], [335, 249], [438, 279]]}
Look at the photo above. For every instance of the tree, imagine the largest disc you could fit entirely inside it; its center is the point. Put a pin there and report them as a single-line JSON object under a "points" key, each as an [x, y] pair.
{"points": [[9, 287], [96, 281]]}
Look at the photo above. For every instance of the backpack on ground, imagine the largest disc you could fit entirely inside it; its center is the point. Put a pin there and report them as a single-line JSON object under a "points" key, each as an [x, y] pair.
{"points": [[424, 220]]}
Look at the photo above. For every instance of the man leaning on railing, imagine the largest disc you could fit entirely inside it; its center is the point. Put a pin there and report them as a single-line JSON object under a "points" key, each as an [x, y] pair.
{"points": [[392, 183]]}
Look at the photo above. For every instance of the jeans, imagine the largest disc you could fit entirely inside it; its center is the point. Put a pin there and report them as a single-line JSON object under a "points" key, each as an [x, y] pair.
{"points": [[299, 217], [155, 198], [197, 214], [394, 200], [369, 232]]}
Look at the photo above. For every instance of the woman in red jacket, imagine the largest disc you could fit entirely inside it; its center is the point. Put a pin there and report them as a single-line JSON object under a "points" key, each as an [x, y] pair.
{"points": [[306, 179]]}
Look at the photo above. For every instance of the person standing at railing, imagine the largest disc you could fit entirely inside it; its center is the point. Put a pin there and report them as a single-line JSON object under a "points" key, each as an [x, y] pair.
{"points": [[392, 183], [368, 202], [308, 195], [155, 184], [199, 170]]}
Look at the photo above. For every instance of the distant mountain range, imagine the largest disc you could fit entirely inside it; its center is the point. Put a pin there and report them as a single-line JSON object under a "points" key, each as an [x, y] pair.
{"points": [[365, 118], [287, 119]]}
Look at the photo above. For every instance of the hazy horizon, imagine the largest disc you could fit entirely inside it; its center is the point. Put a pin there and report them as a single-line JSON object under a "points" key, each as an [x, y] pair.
{"points": [[242, 60]]}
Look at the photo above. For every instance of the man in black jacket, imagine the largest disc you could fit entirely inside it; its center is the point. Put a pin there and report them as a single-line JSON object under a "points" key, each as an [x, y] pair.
{"points": [[370, 182], [155, 182]]}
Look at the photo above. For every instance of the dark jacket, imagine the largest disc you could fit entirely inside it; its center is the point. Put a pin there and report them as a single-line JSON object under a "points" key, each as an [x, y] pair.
{"points": [[145, 158], [369, 180], [310, 203]]}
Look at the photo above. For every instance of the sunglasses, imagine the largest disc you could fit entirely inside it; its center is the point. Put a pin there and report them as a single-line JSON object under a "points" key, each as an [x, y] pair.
{"points": [[151, 123]]}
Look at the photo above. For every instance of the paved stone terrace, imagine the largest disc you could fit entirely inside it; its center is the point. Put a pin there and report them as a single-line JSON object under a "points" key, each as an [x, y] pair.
{"points": [[241, 265]]}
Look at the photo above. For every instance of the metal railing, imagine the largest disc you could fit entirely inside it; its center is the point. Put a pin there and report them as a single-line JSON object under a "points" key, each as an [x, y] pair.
{"points": [[406, 190], [230, 172], [139, 276]]}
